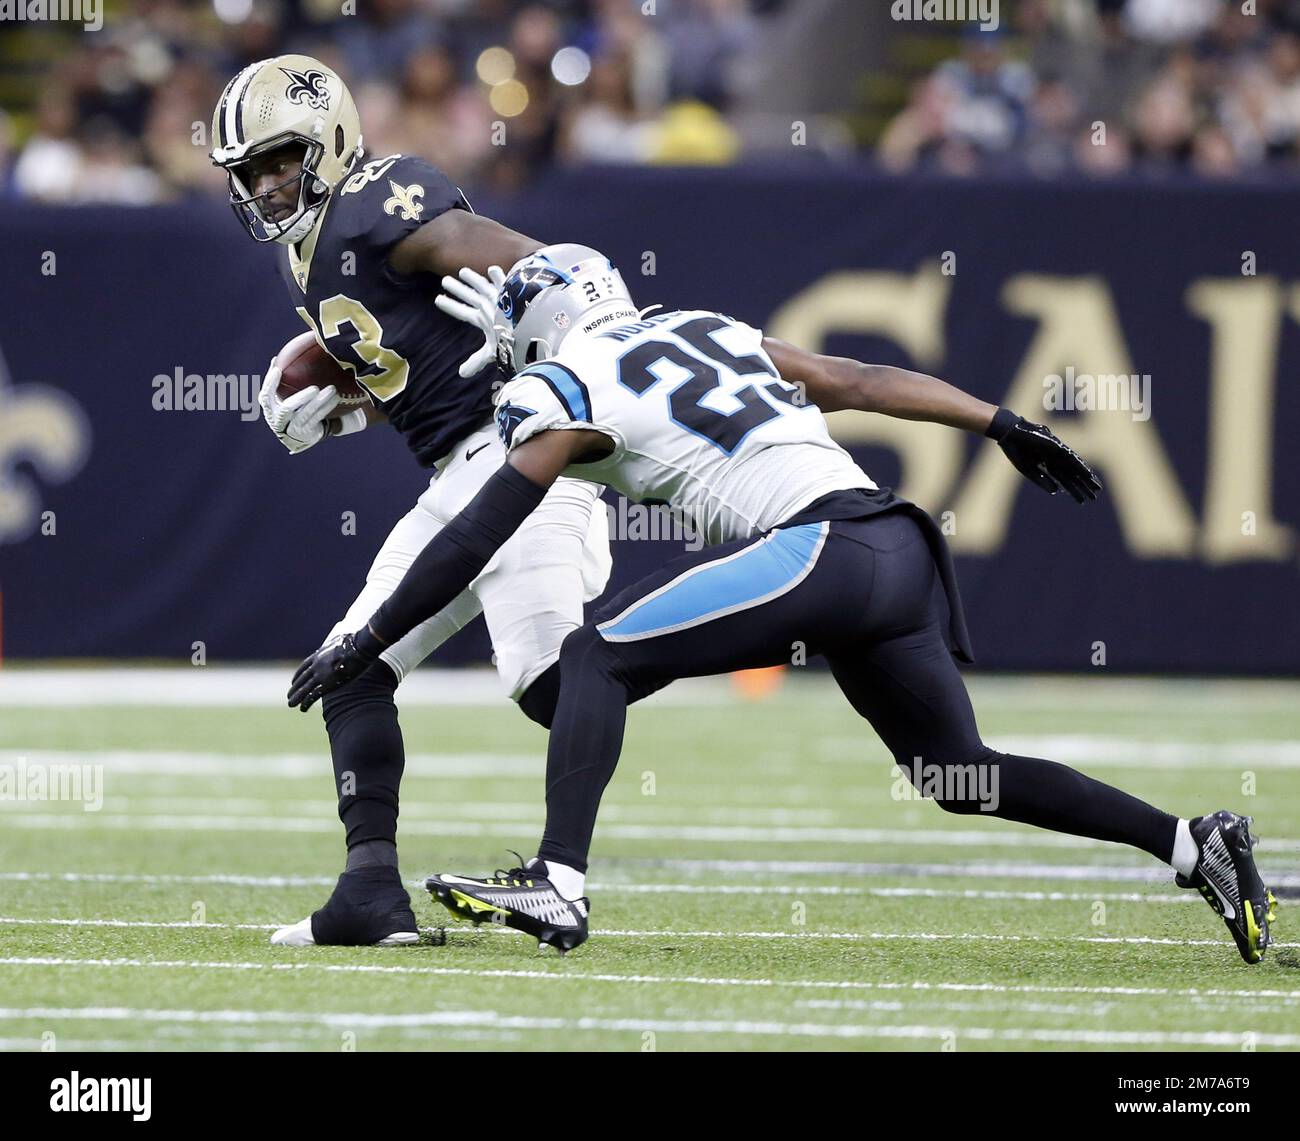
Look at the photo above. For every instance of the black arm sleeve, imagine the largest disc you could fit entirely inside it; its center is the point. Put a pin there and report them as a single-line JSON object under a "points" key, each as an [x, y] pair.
{"points": [[453, 558]]}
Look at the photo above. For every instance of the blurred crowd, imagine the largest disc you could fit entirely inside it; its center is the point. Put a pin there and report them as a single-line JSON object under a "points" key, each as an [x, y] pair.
{"points": [[123, 114], [1097, 87], [1100, 87]]}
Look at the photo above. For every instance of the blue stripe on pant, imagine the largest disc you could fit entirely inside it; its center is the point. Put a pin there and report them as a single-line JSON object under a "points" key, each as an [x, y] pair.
{"points": [[867, 593], [750, 577]]}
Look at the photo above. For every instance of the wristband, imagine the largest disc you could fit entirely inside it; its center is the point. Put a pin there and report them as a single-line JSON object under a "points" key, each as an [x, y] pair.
{"points": [[348, 423], [1002, 423], [367, 644]]}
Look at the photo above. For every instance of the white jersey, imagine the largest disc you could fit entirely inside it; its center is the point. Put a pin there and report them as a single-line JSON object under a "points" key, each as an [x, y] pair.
{"points": [[699, 417]]}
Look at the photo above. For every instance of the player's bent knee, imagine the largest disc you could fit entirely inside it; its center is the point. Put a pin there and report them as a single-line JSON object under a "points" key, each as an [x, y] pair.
{"points": [[585, 651], [376, 685], [964, 783], [538, 701]]}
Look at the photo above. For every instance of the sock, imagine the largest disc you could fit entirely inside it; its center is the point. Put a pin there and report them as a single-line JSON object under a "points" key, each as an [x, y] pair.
{"points": [[1186, 853], [372, 853], [569, 882]]}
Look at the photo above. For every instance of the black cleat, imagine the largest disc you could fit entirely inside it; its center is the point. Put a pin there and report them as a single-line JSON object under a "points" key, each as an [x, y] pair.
{"points": [[369, 907], [522, 898], [1228, 879]]}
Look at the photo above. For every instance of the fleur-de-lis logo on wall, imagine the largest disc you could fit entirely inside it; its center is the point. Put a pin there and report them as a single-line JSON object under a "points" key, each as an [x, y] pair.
{"points": [[406, 199], [308, 87], [41, 427]]}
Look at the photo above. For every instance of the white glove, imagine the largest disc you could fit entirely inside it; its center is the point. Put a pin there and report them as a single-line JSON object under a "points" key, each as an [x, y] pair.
{"points": [[473, 299], [298, 421]]}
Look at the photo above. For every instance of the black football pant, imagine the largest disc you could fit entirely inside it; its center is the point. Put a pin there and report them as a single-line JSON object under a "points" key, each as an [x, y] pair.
{"points": [[368, 753], [865, 593]]}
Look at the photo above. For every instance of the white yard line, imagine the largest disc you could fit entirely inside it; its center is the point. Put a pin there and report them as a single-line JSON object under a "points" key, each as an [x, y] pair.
{"points": [[1081, 749], [790, 869], [315, 766], [805, 936], [265, 687], [25, 921], [525, 813], [35, 816], [1093, 750], [495, 1020], [218, 878], [566, 975], [640, 888], [1087, 750]]}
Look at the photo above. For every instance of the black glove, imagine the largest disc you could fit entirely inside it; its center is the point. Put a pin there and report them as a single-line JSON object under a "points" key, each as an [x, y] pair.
{"points": [[331, 667], [1039, 456]]}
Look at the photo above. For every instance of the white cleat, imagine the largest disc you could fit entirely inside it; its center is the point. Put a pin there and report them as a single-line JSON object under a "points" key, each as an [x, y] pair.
{"points": [[297, 935], [300, 935]]}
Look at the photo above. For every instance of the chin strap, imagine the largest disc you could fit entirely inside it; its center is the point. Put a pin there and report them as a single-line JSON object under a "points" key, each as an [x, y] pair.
{"points": [[300, 229]]}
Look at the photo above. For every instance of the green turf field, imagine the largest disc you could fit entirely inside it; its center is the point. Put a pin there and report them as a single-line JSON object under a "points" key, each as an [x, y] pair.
{"points": [[756, 884]]}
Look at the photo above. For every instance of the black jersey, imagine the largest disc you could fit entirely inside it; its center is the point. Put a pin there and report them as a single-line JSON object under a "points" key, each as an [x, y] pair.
{"points": [[381, 324]]}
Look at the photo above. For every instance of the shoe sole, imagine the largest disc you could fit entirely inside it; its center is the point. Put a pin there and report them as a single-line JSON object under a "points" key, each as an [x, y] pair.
{"points": [[1258, 935], [477, 911], [396, 939]]}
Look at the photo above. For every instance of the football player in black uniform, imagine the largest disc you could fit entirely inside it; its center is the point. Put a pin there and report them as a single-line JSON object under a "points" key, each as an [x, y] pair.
{"points": [[366, 244]]}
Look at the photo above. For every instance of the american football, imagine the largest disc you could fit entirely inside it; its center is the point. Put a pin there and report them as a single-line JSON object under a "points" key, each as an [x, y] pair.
{"points": [[303, 363], [617, 526]]}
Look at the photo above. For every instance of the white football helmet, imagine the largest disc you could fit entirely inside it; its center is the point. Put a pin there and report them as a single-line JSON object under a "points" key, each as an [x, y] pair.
{"points": [[556, 291], [274, 102]]}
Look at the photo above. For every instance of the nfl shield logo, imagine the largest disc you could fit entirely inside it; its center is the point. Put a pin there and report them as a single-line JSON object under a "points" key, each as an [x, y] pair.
{"points": [[562, 320]]}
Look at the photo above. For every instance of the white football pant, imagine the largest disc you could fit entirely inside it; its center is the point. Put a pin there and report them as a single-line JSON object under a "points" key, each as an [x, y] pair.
{"points": [[530, 594]]}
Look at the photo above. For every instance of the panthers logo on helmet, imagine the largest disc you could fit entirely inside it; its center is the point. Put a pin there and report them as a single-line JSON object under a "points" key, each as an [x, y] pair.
{"points": [[525, 284], [308, 87]]}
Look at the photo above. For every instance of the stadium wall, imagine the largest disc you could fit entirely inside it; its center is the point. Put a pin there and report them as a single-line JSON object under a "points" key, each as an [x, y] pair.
{"points": [[129, 528]]}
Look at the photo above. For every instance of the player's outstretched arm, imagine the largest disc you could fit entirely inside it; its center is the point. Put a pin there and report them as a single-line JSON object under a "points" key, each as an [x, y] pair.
{"points": [[835, 384], [458, 238], [452, 559]]}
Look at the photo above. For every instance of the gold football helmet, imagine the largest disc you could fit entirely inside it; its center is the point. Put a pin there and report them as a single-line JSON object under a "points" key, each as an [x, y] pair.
{"points": [[274, 102]]}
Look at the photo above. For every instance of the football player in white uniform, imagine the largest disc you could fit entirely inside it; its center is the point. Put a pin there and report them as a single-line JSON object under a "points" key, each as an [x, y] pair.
{"points": [[699, 411]]}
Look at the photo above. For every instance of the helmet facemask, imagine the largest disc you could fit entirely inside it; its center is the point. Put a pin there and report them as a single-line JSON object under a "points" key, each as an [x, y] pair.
{"points": [[537, 349], [312, 192]]}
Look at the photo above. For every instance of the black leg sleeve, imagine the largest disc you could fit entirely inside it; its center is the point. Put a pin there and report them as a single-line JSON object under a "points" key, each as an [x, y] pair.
{"points": [[586, 740], [538, 701], [908, 687], [368, 755], [1051, 795]]}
